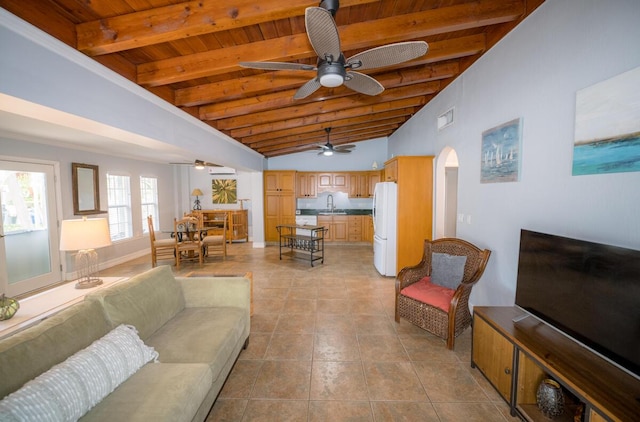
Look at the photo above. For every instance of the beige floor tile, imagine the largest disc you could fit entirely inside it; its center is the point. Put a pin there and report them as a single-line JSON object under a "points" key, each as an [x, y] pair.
{"points": [[338, 381], [393, 381], [288, 380], [449, 382], [227, 410], [381, 348], [296, 323], [290, 346], [332, 411], [336, 347], [276, 410], [468, 412], [241, 380], [385, 411]]}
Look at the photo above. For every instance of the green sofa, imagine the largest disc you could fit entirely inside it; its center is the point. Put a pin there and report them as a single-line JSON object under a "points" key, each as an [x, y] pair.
{"points": [[198, 327]]}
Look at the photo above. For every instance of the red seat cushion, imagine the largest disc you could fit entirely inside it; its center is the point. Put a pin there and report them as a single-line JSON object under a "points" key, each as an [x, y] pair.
{"points": [[427, 292]]}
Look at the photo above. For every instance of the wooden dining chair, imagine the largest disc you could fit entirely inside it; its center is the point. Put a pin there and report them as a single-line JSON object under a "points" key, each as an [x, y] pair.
{"points": [[187, 239], [160, 248], [215, 242]]}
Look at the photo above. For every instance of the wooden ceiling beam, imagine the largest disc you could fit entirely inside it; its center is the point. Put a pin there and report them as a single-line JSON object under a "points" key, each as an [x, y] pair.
{"points": [[356, 36], [182, 20], [307, 147], [314, 130], [322, 107], [330, 117]]}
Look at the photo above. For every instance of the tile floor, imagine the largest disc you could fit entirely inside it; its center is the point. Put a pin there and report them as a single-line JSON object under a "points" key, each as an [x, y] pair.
{"points": [[324, 346]]}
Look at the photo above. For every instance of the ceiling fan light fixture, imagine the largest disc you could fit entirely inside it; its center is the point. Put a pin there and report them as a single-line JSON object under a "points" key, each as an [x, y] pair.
{"points": [[327, 153], [199, 165], [331, 80]]}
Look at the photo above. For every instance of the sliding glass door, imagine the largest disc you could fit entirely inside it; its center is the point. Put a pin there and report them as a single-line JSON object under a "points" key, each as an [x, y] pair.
{"points": [[29, 252]]}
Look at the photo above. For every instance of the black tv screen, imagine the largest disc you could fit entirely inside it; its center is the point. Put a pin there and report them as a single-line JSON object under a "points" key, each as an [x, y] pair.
{"points": [[587, 290]]}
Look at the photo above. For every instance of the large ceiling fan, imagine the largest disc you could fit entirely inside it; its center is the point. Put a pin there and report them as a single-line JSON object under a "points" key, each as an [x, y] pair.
{"points": [[328, 149], [199, 164], [333, 69]]}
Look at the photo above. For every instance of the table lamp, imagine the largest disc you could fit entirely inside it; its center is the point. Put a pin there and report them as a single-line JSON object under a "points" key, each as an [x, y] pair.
{"points": [[197, 192], [85, 236]]}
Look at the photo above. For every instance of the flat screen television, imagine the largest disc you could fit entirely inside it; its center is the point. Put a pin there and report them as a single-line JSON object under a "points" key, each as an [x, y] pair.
{"points": [[586, 290]]}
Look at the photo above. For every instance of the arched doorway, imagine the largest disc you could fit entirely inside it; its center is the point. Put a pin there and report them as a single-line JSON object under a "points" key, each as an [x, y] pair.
{"points": [[446, 199]]}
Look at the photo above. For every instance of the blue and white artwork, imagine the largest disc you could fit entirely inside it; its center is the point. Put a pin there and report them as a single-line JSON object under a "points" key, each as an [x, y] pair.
{"points": [[607, 133], [500, 161]]}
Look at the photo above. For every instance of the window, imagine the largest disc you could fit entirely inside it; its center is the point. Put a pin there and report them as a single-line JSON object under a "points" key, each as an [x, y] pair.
{"points": [[149, 201], [119, 200]]}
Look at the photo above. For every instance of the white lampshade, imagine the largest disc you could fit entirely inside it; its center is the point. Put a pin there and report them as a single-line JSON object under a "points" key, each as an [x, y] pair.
{"points": [[88, 233], [331, 80]]}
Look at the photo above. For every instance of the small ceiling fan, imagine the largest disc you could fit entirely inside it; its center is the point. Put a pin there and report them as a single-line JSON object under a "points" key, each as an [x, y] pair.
{"points": [[199, 164], [333, 69], [328, 149]]}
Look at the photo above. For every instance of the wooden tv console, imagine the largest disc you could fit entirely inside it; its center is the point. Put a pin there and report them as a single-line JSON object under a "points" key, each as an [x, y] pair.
{"points": [[516, 356]]}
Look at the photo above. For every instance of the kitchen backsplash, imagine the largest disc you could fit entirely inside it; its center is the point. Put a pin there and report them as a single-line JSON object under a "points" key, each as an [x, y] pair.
{"points": [[341, 200]]}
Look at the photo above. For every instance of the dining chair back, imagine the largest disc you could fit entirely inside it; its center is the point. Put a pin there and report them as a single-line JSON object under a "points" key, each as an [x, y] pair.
{"points": [[188, 239], [160, 248], [215, 241]]}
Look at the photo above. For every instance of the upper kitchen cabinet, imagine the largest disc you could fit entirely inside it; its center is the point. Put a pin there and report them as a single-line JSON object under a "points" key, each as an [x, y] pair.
{"points": [[362, 183], [306, 185], [280, 181], [333, 182]]}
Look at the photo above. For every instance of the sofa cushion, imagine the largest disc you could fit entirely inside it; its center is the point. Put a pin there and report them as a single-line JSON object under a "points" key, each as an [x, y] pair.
{"points": [[201, 335], [426, 292], [146, 301], [68, 390], [447, 270], [158, 392], [28, 353]]}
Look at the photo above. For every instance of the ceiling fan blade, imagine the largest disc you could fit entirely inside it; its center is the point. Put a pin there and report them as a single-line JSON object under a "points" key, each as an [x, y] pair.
{"points": [[277, 66], [341, 151], [344, 147], [389, 54], [362, 83], [307, 89], [322, 32]]}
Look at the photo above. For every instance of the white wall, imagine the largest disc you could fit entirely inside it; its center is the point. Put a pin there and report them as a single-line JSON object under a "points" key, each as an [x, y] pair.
{"points": [[534, 73]]}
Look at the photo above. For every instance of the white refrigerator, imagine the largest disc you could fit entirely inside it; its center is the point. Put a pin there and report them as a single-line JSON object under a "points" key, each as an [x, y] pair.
{"points": [[385, 212]]}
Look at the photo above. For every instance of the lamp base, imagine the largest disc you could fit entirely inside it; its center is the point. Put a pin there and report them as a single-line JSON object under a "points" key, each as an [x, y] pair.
{"points": [[88, 283]]}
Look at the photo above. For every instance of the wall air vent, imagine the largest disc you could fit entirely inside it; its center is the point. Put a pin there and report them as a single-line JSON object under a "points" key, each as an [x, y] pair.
{"points": [[445, 119]]}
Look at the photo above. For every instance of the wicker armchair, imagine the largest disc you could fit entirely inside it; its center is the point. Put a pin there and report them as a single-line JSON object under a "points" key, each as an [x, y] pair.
{"points": [[433, 319]]}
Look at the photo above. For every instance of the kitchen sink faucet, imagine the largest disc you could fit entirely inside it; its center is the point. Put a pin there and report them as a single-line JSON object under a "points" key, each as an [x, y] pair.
{"points": [[330, 205]]}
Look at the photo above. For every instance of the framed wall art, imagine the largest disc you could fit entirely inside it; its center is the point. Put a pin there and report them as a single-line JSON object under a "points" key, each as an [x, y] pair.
{"points": [[224, 191], [607, 130], [501, 151]]}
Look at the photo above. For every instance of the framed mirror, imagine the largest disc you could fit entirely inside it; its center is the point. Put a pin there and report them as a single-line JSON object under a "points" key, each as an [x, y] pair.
{"points": [[86, 193]]}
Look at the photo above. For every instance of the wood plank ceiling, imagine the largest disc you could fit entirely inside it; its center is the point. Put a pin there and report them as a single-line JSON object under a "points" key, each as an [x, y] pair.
{"points": [[187, 52]]}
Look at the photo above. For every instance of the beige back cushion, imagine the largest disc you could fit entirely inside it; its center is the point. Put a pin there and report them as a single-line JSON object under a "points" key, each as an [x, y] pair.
{"points": [[146, 301], [28, 353]]}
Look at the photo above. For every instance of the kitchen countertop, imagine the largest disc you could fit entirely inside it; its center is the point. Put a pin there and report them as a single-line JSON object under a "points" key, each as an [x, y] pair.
{"points": [[335, 212]]}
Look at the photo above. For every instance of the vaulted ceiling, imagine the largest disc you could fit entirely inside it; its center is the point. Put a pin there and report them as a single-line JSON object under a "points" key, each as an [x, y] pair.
{"points": [[187, 52]]}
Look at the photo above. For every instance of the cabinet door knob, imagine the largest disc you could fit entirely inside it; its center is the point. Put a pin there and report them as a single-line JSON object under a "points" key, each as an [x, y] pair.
{"points": [[507, 371]]}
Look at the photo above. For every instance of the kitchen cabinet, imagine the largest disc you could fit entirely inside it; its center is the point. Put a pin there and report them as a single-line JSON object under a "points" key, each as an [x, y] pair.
{"points": [[374, 177], [515, 354], [280, 181], [306, 185], [337, 227], [391, 171], [333, 182], [279, 202], [362, 183], [367, 229], [414, 176], [354, 228]]}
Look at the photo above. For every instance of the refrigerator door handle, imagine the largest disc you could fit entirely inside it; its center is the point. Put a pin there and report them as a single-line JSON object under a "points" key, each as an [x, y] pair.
{"points": [[373, 209]]}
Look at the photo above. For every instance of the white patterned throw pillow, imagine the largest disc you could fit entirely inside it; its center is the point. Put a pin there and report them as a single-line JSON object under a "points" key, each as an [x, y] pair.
{"points": [[70, 389]]}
